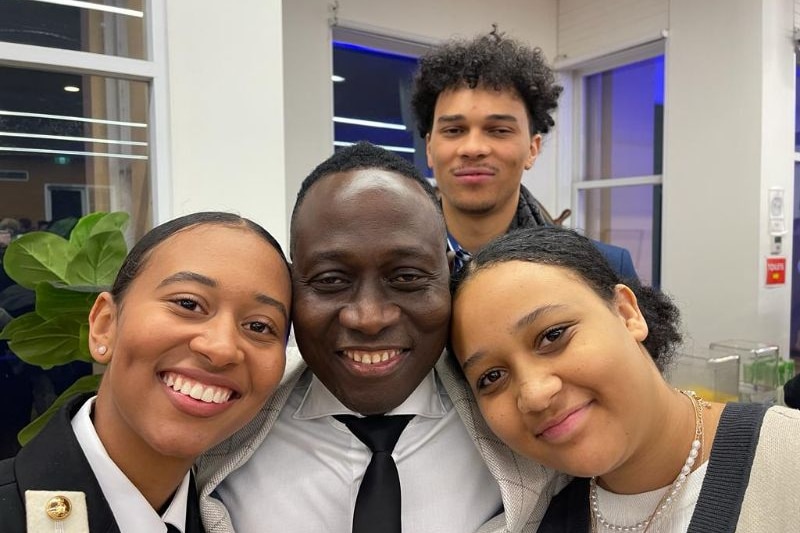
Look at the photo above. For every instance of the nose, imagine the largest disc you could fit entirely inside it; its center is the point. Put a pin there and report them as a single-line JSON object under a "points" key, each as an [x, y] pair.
{"points": [[537, 390], [370, 312], [218, 341], [473, 145]]}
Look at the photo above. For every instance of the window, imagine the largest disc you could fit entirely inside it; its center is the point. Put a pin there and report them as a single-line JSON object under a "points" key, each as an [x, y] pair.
{"points": [[794, 333], [81, 86], [618, 190], [372, 91]]}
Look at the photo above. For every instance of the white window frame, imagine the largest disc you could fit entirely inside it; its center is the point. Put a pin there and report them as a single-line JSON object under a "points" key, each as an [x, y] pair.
{"points": [[573, 138], [152, 70]]}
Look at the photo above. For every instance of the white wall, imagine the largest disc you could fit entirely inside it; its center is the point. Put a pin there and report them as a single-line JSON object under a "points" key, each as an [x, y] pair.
{"points": [[307, 64], [728, 138], [226, 109], [590, 28]]}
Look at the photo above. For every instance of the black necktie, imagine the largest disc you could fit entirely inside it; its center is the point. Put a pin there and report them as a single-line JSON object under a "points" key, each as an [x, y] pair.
{"points": [[172, 529], [378, 500]]}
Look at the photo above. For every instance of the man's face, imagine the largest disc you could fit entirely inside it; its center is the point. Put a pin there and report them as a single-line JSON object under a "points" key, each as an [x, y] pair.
{"points": [[372, 302], [478, 148]]}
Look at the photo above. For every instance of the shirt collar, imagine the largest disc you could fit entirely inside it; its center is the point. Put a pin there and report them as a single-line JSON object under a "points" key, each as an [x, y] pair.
{"points": [[461, 256], [319, 402], [131, 510]]}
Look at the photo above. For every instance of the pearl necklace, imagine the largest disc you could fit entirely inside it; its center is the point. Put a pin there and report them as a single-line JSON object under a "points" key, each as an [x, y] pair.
{"points": [[669, 496]]}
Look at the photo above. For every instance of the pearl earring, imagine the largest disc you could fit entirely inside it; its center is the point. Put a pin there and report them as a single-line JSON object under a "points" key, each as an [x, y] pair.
{"points": [[101, 349]]}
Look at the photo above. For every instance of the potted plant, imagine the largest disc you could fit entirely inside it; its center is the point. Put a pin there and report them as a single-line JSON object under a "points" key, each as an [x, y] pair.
{"points": [[66, 275]]}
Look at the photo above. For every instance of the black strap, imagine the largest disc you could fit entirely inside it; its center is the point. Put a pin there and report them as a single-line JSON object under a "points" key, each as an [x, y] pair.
{"points": [[720, 499]]}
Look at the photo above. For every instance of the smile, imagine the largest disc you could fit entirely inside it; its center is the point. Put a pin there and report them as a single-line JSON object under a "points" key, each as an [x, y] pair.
{"points": [[371, 357], [195, 389], [562, 426]]}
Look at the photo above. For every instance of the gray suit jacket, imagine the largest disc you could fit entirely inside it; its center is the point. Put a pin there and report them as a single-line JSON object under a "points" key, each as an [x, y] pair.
{"points": [[526, 486]]}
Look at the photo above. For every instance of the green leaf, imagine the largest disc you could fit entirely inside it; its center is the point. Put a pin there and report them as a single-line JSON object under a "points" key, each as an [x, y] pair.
{"points": [[115, 221], [45, 343], [81, 385], [62, 227], [83, 343], [36, 257], [98, 261], [56, 299], [19, 324], [83, 229]]}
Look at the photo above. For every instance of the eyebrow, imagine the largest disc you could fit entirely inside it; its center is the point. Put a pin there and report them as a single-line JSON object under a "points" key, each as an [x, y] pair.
{"points": [[446, 119], [208, 282], [531, 317], [522, 323]]}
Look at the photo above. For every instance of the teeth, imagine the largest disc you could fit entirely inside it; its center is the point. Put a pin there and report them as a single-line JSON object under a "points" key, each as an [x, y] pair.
{"points": [[370, 358], [196, 390]]}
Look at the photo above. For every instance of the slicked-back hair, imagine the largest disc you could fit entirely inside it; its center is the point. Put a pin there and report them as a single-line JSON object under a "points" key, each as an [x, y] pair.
{"points": [[491, 61], [361, 156], [141, 251], [565, 248]]}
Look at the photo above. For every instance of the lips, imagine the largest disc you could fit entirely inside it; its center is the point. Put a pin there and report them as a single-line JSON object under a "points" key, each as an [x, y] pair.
{"points": [[561, 425], [474, 171], [196, 389]]}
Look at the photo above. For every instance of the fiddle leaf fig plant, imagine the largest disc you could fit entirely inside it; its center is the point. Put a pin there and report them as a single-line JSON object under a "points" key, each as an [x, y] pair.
{"points": [[67, 275]]}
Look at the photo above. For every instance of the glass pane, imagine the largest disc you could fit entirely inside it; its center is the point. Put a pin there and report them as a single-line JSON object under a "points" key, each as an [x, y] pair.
{"points": [[797, 110], [625, 120], [794, 333], [371, 94], [628, 217], [112, 27], [63, 154]]}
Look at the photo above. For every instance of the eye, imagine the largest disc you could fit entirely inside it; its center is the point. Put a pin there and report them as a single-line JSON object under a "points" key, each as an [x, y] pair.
{"points": [[329, 282], [501, 131], [450, 131], [187, 303], [408, 279], [490, 378], [260, 327], [552, 336]]}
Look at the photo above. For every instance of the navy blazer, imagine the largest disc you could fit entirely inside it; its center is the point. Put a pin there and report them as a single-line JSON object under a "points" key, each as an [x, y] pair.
{"points": [[618, 258], [53, 460]]}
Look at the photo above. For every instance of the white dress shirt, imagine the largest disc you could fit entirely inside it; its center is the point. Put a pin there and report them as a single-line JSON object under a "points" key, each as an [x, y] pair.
{"points": [[131, 510], [305, 475]]}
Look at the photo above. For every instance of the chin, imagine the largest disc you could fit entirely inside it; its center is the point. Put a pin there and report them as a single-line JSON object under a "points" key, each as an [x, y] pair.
{"points": [[373, 407]]}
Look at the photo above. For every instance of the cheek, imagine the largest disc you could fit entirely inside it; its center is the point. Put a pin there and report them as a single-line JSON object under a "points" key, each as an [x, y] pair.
{"points": [[433, 315], [266, 372], [503, 418]]}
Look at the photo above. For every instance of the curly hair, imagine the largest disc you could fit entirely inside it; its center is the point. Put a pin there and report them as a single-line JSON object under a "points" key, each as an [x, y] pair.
{"points": [[492, 61], [565, 248]]}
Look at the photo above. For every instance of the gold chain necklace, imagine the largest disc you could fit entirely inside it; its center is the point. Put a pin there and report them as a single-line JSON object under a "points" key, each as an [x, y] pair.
{"points": [[697, 447]]}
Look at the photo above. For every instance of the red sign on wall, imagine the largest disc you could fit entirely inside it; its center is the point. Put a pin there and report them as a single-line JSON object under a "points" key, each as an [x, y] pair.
{"points": [[776, 270]]}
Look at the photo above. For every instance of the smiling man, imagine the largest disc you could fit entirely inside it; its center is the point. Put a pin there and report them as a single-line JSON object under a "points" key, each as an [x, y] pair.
{"points": [[483, 106], [371, 314]]}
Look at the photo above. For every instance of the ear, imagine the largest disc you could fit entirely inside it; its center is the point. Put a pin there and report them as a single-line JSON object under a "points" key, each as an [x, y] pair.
{"points": [[628, 309], [102, 327], [428, 150], [536, 146]]}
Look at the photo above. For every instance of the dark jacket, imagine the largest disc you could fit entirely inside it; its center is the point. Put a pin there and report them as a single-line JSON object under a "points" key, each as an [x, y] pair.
{"points": [[53, 460], [529, 216]]}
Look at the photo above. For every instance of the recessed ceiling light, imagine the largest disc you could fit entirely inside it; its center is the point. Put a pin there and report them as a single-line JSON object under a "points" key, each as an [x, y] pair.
{"points": [[72, 89], [337, 79], [94, 5]]}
